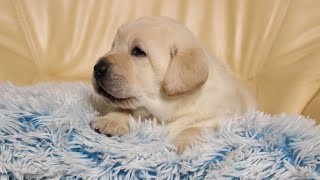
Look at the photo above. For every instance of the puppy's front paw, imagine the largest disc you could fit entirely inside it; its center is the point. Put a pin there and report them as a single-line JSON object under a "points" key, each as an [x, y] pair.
{"points": [[186, 138], [110, 125]]}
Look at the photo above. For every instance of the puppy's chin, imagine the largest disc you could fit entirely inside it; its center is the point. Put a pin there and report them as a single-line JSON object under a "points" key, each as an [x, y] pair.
{"points": [[124, 103]]}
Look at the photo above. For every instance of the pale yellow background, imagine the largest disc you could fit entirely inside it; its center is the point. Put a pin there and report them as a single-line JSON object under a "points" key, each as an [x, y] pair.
{"points": [[272, 45]]}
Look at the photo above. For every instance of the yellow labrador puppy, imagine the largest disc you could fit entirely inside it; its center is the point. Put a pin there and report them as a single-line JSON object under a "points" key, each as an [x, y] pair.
{"points": [[157, 68]]}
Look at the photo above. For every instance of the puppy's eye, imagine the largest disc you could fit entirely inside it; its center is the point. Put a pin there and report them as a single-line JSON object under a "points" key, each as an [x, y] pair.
{"points": [[136, 51]]}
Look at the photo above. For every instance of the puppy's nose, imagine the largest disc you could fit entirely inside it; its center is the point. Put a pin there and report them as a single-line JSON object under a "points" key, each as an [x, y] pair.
{"points": [[100, 68]]}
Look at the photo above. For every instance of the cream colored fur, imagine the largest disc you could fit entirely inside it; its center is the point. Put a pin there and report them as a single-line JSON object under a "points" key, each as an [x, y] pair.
{"points": [[177, 82]]}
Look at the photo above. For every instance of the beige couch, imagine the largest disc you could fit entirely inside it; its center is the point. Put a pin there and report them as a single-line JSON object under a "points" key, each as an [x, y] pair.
{"points": [[272, 45]]}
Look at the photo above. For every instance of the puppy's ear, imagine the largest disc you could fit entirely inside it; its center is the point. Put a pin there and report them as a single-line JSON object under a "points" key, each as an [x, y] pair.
{"points": [[187, 70]]}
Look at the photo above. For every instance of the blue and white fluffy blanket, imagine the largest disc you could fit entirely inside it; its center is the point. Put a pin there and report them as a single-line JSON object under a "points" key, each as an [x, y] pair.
{"points": [[45, 133]]}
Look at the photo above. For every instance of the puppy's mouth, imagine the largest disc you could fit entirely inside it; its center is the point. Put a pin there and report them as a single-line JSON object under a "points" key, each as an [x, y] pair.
{"points": [[101, 90]]}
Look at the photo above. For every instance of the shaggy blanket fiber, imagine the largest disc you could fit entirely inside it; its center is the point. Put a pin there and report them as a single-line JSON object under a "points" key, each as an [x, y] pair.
{"points": [[45, 134]]}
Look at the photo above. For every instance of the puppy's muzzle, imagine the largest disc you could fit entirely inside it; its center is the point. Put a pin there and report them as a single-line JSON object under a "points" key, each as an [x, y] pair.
{"points": [[101, 68], [108, 81]]}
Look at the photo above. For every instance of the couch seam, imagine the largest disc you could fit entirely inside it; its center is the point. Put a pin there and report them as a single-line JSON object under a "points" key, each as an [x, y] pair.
{"points": [[310, 100]]}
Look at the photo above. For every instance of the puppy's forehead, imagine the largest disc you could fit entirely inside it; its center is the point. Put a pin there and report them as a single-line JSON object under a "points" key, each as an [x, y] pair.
{"points": [[149, 26], [156, 30], [141, 28]]}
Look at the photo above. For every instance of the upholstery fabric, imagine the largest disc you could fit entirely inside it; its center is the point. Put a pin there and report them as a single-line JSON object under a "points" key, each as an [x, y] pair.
{"points": [[272, 45]]}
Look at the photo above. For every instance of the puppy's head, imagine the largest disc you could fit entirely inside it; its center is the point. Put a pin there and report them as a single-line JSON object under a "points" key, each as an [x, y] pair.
{"points": [[151, 59]]}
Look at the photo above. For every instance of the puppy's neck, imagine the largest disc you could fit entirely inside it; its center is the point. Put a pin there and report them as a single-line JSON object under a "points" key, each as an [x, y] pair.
{"points": [[171, 107]]}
